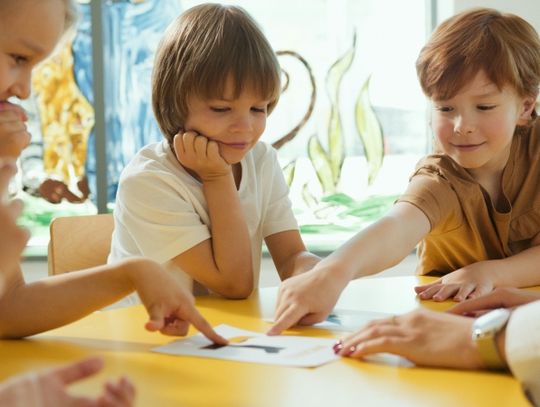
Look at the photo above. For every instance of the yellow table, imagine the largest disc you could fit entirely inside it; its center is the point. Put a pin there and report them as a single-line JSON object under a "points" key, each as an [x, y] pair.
{"points": [[164, 380]]}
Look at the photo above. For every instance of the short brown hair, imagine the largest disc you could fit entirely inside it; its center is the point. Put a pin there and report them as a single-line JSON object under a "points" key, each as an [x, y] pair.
{"points": [[504, 46], [199, 51]]}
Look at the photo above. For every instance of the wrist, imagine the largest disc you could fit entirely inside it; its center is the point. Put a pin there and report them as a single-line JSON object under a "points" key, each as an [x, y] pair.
{"points": [[500, 342], [486, 334], [134, 270], [335, 272], [217, 177]]}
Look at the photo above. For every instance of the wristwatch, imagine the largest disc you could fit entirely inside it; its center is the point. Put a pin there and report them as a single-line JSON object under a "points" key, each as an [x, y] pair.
{"points": [[484, 331]]}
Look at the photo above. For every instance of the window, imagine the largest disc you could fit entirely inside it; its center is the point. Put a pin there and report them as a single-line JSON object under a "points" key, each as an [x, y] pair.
{"points": [[351, 61]]}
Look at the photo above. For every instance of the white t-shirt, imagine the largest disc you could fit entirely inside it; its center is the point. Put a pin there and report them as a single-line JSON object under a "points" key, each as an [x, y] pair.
{"points": [[523, 348], [161, 210]]}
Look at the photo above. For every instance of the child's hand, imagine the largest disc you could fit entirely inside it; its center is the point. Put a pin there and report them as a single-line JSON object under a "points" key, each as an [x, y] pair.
{"points": [[502, 297], [306, 299], [170, 306], [49, 388], [424, 337], [471, 281], [200, 154], [13, 134]]}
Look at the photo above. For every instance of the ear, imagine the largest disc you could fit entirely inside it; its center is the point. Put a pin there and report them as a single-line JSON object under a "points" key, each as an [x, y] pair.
{"points": [[527, 107]]}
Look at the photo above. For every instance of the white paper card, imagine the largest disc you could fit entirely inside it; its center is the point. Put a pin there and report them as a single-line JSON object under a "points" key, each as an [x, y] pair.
{"points": [[349, 320], [249, 346], [345, 320]]}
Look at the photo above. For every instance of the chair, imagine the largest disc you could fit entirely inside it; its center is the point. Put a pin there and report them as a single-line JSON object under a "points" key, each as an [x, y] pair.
{"points": [[79, 242]]}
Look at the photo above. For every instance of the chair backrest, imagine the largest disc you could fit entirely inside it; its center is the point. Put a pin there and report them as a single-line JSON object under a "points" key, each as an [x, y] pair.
{"points": [[79, 242]]}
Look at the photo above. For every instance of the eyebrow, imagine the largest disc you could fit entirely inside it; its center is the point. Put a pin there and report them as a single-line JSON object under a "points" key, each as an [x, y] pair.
{"points": [[223, 99], [488, 93], [32, 46]]}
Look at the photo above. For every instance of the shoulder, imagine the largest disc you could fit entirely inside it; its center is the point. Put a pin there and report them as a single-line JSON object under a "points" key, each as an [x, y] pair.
{"points": [[154, 167], [529, 140], [151, 157], [442, 166]]}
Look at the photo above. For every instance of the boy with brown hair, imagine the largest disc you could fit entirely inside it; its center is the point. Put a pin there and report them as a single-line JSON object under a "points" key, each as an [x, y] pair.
{"points": [[207, 196], [473, 206]]}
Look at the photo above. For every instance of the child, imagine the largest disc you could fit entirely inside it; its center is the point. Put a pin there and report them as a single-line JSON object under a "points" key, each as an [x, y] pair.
{"points": [[206, 196], [29, 31], [473, 205]]}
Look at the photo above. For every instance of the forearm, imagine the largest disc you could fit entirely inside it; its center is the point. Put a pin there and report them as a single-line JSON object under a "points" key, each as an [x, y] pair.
{"points": [[298, 264], [231, 244], [27, 309], [520, 270], [374, 249]]}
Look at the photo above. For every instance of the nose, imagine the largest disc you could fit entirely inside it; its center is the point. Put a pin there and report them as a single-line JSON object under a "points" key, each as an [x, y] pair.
{"points": [[463, 125], [243, 122], [21, 86]]}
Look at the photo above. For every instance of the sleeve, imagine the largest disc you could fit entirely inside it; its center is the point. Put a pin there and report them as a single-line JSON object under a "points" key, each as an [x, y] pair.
{"points": [[278, 216], [434, 195], [158, 213], [523, 348]]}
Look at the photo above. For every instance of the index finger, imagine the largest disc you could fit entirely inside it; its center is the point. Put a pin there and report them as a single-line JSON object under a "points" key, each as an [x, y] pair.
{"points": [[287, 319], [488, 301], [198, 321], [420, 288]]}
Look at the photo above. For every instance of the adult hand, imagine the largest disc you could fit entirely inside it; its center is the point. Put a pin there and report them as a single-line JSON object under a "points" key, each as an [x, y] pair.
{"points": [[49, 388], [14, 136], [424, 337], [170, 306], [468, 282], [201, 155], [502, 297], [306, 299]]}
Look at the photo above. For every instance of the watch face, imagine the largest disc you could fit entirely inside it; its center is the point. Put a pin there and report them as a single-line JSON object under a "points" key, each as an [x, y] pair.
{"points": [[490, 323]]}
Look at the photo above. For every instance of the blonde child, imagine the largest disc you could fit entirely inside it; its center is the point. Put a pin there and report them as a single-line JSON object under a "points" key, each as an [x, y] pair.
{"points": [[29, 31], [206, 196], [472, 206]]}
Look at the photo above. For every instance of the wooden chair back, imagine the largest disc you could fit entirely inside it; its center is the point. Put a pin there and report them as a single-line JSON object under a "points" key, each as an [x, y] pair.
{"points": [[79, 242]]}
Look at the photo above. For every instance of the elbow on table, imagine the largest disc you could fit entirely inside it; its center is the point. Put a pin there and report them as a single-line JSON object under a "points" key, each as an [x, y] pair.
{"points": [[7, 333], [236, 290]]}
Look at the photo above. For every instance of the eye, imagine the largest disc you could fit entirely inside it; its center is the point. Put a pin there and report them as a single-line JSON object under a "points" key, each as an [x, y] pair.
{"points": [[443, 109], [19, 59], [486, 107], [219, 109], [259, 109]]}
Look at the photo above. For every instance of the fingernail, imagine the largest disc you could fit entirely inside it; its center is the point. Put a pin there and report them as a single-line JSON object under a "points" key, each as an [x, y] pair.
{"points": [[352, 349], [337, 347]]}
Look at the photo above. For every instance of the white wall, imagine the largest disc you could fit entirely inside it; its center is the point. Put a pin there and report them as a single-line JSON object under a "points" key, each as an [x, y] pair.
{"points": [[527, 9]]}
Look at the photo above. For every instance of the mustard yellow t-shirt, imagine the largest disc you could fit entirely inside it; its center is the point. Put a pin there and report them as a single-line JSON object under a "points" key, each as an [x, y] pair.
{"points": [[465, 225]]}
